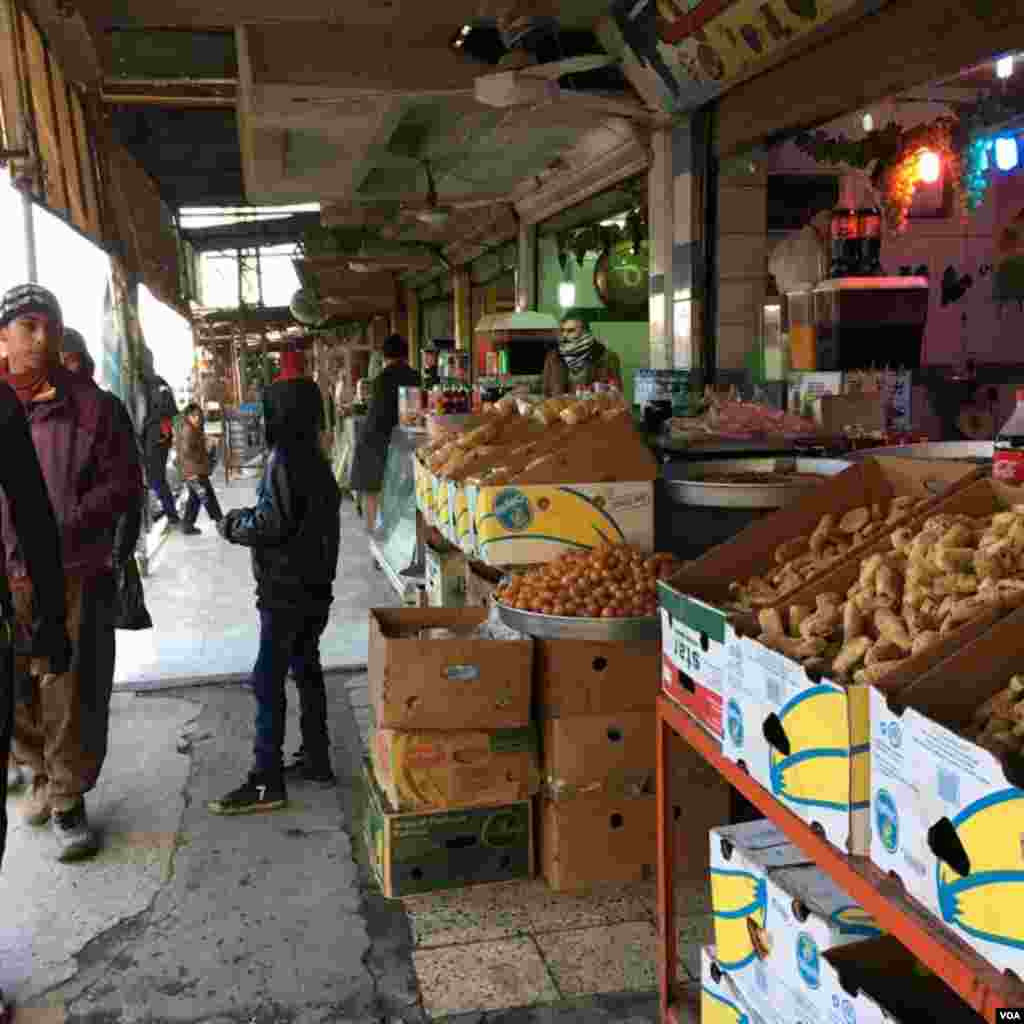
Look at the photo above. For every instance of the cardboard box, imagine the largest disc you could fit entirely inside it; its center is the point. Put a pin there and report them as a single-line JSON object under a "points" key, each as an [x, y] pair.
{"points": [[806, 738], [432, 770], [835, 413], [481, 582], [461, 529], [446, 577], [532, 523], [946, 813], [463, 683], [609, 754], [597, 839], [758, 876], [698, 636], [719, 1002], [426, 851], [578, 677]]}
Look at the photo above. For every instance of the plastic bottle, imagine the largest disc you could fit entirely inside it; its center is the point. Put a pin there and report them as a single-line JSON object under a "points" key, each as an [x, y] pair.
{"points": [[1008, 460]]}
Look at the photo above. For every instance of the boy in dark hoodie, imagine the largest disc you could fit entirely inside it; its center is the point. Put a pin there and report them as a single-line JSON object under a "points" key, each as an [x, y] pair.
{"points": [[294, 532]]}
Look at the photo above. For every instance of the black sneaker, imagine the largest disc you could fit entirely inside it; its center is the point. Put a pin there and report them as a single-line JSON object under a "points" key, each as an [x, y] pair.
{"points": [[258, 793], [302, 769], [191, 531], [75, 839]]}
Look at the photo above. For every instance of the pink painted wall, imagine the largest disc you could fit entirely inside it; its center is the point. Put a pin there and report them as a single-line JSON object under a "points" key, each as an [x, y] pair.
{"points": [[993, 335]]}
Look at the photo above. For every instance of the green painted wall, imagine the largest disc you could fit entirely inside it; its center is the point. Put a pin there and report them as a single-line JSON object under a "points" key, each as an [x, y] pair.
{"points": [[629, 340]]}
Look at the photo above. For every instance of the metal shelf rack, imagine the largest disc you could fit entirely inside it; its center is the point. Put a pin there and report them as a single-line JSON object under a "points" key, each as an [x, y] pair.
{"points": [[978, 983]]}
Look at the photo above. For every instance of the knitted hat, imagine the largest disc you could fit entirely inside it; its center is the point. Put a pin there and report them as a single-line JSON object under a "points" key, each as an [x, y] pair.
{"points": [[29, 298], [74, 345]]}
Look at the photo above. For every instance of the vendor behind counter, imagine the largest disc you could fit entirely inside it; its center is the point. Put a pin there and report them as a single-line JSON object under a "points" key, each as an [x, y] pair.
{"points": [[579, 359], [367, 475]]}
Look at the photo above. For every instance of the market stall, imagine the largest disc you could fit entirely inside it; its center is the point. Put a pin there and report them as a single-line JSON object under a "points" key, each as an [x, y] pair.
{"points": [[852, 663]]}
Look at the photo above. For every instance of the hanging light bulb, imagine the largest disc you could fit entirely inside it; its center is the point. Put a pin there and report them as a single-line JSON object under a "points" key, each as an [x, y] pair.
{"points": [[928, 166], [1004, 67], [869, 123], [1006, 153], [566, 294]]}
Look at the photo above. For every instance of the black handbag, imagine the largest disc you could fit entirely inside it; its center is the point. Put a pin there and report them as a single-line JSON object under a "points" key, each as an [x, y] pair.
{"points": [[131, 600]]}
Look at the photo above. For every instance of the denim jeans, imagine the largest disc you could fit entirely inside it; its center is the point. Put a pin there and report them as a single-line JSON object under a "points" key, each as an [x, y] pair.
{"points": [[161, 489], [289, 640], [200, 490]]}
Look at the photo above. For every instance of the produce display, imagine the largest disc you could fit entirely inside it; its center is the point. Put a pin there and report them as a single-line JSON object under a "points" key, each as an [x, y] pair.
{"points": [[730, 419], [614, 582], [998, 724], [951, 571], [561, 440], [803, 557]]}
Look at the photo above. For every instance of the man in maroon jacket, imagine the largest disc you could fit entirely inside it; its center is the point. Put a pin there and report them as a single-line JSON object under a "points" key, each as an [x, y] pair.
{"points": [[93, 478]]}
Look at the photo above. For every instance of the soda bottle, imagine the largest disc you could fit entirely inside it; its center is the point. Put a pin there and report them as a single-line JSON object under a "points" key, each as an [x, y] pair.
{"points": [[1008, 459]]}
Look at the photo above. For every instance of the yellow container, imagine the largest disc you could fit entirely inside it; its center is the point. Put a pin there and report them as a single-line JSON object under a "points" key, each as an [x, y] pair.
{"points": [[529, 524]]}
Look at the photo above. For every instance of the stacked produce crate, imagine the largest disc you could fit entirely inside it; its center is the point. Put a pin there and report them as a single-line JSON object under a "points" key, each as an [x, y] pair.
{"points": [[865, 668], [453, 756]]}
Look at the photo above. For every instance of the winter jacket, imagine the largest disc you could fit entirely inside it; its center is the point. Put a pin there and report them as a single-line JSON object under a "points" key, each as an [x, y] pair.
{"points": [[604, 367], [27, 510], [91, 470], [294, 529], [193, 457]]}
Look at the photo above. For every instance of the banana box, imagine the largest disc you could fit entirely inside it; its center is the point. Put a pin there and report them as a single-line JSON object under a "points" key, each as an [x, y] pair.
{"points": [[421, 485], [947, 815], [533, 523], [442, 509], [719, 1002], [445, 574], [763, 888], [433, 770], [699, 648], [461, 524]]}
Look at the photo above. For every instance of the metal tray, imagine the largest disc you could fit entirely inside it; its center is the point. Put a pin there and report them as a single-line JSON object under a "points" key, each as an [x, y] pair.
{"points": [[691, 490], [632, 632]]}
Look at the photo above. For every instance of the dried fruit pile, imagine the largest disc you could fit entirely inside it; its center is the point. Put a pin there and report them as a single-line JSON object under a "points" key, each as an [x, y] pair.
{"points": [[607, 583], [803, 557], [955, 569], [998, 724]]}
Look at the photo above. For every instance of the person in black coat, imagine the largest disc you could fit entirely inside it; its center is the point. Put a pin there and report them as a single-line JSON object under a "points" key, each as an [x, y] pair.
{"points": [[294, 532], [157, 440], [371, 454]]}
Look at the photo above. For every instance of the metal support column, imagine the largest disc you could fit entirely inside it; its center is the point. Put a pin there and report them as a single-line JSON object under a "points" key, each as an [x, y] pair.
{"points": [[30, 238]]}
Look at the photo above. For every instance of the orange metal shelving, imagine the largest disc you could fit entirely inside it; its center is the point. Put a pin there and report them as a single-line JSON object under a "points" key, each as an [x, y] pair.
{"points": [[974, 979]]}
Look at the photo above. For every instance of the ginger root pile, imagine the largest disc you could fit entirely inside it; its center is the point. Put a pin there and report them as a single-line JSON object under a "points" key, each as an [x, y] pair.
{"points": [[803, 557], [951, 571], [998, 724]]}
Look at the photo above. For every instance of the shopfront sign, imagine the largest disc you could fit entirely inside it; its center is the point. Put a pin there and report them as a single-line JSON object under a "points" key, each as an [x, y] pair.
{"points": [[699, 47], [722, 40]]}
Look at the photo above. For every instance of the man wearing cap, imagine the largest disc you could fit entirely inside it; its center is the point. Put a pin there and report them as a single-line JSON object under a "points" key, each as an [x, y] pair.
{"points": [[92, 476]]}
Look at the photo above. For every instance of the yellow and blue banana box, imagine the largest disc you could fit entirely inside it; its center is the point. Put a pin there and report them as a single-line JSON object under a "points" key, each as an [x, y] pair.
{"points": [[719, 1004], [776, 916], [421, 485], [461, 527], [763, 886], [947, 815], [804, 740], [532, 523]]}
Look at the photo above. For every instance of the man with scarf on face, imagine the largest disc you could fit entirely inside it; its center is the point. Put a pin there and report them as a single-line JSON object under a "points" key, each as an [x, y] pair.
{"points": [[579, 360], [294, 532], [92, 476]]}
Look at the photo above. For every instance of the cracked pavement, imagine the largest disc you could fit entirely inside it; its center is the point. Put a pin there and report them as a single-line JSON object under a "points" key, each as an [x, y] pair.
{"points": [[186, 916]]}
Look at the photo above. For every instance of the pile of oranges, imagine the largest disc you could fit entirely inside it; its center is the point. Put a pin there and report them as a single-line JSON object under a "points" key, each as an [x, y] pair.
{"points": [[614, 582]]}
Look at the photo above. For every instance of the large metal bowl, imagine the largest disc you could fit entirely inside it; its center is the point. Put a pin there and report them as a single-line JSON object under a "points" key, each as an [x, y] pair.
{"points": [[691, 489], [632, 632]]}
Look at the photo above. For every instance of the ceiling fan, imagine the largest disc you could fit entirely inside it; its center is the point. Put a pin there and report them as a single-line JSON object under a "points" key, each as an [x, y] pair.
{"points": [[434, 213], [538, 85]]}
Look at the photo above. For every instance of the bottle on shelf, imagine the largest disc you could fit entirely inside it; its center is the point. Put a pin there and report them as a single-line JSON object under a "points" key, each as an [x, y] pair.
{"points": [[844, 242], [869, 241]]}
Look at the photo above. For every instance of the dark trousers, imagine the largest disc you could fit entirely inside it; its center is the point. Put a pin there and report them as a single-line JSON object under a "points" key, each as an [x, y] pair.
{"points": [[289, 640], [156, 474], [6, 728], [161, 489], [200, 490]]}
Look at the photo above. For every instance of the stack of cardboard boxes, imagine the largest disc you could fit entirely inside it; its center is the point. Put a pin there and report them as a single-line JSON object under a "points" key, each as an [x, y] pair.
{"points": [[453, 755], [598, 808]]}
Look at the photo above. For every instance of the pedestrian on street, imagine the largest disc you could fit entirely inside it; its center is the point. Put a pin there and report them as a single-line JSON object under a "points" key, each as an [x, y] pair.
{"points": [[294, 532], [157, 440], [92, 476], [371, 455], [132, 613], [47, 642], [194, 460]]}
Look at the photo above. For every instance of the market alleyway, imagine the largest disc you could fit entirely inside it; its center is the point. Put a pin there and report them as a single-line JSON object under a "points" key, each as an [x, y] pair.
{"points": [[274, 919]]}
